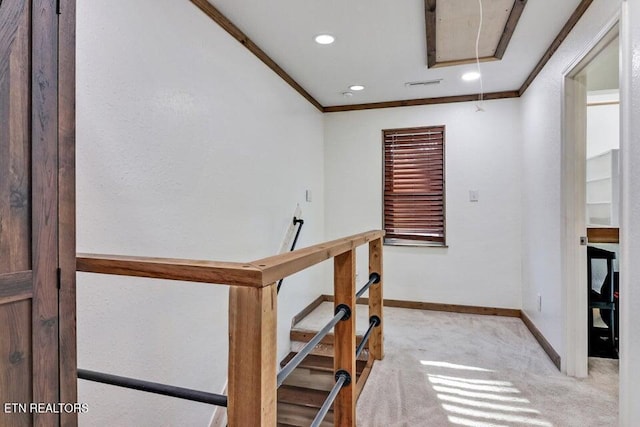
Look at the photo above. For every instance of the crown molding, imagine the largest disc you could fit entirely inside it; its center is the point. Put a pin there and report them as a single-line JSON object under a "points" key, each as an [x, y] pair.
{"points": [[240, 36], [562, 35], [213, 13], [423, 101]]}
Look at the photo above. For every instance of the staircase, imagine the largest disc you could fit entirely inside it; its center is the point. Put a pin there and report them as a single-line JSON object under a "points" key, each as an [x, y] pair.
{"points": [[305, 390]]}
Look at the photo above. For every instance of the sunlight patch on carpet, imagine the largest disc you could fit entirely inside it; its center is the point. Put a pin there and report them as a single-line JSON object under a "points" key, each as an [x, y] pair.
{"points": [[486, 405], [472, 381], [471, 400], [489, 396], [474, 387], [496, 416], [471, 423], [453, 366]]}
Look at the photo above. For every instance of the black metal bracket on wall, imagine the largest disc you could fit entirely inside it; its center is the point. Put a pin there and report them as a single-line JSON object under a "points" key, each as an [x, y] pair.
{"points": [[299, 222]]}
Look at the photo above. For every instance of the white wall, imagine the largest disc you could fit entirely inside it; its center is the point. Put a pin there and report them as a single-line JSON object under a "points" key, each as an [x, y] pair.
{"points": [[603, 122], [541, 177], [630, 217], [188, 147], [481, 265]]}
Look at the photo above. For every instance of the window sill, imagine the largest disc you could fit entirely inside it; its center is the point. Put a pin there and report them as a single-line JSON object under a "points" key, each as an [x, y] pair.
{"points": [[413, 243]]}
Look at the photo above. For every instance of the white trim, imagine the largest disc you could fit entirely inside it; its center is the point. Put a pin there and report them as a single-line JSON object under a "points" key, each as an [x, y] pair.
{"points": [[219, 417], [573, 201], [588, 52], [629, 410], [573, 226]]}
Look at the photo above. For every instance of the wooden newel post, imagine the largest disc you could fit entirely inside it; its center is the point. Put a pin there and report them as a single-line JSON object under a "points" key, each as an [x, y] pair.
{"points": [[252, 356], [376, 340], [344, 274]]}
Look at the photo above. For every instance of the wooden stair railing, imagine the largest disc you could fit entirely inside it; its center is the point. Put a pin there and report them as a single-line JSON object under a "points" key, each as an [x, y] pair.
{"points": [[252, 389]]}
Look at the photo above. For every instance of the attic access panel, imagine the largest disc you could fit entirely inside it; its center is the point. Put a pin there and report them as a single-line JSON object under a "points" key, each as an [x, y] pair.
{"points": [[452, 27]]}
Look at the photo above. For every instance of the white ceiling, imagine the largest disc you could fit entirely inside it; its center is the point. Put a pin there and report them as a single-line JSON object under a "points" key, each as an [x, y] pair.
{"points": [[381, 44]]}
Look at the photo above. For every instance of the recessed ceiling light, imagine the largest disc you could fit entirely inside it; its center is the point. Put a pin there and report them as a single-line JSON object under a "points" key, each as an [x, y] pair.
{"points": [[356, 87], [470, 76], [325, 39]]}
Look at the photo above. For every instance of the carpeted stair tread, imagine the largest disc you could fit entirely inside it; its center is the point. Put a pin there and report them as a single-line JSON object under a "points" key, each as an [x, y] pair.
{"points": [[318, 362], [300, 416], [306, 389], [302, 396], [305, 335]]}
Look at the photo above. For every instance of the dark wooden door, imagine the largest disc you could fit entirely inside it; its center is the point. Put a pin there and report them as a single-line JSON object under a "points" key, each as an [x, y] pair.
{"points": [[29, 221]]}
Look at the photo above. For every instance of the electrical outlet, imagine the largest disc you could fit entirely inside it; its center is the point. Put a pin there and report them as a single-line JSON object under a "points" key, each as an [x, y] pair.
{"points": [[539, 302]]}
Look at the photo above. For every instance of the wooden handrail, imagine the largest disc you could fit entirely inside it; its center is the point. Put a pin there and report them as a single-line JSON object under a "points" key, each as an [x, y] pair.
{"points": [[252, 390], [276, 267], [259, 273], [227, 273]]}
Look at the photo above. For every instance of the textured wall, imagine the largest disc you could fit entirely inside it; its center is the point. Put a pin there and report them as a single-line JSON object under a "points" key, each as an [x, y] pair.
{"points": [[541, 178], [481, 265], [188, 147]]}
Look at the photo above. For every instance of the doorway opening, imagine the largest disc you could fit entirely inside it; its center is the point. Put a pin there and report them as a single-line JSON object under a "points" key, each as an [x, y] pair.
{"points": [[590, 196], [603, 201]]}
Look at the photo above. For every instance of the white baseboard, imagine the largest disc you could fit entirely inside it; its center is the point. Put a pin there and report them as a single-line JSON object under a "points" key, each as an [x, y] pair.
{"points": [[219, 417]]}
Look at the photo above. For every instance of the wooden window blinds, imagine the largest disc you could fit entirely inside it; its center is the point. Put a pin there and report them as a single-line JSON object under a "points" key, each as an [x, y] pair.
{"points": [[413, 190]]}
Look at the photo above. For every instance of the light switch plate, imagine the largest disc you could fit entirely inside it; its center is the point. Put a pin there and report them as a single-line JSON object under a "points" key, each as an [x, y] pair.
{"points": [[473, 195]]}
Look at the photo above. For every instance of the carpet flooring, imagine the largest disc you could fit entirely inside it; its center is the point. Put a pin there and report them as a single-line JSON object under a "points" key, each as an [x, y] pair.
{"points": [[449, 369]]}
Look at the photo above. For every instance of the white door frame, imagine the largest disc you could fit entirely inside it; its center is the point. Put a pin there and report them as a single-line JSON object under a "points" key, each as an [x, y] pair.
{"points": [[629, 215], [573, 202]]}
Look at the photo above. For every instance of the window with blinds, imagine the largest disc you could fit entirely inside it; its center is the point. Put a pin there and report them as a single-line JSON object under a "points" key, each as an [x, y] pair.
{"points": [[413, 193]]}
